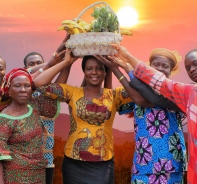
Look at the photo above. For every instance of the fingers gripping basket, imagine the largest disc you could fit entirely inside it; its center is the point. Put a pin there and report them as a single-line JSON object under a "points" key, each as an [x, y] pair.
{"points": [[93, 43]]}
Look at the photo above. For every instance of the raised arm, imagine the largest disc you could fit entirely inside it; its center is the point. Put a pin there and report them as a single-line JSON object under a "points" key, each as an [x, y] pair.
{"points": [[133, 94], [125, 55], [108, 79], [63, 76], [46, 76], [56, 58], [148, 93], [177, 92], [36, 70]]}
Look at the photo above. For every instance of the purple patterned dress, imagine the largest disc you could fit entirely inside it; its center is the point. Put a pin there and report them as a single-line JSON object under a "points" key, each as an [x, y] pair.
{"points": [[160, 151]]}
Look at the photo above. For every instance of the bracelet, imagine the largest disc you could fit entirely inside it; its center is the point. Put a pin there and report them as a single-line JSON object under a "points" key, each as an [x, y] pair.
{"points": [[122, 77], [54, 54], [41, 70], [29, 70]]}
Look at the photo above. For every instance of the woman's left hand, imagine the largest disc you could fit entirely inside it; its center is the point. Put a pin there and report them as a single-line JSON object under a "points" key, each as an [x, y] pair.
{"points": [[109, 61]]}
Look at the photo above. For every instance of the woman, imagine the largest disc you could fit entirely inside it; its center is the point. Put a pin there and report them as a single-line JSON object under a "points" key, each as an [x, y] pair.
{"points": [[160, 154], [89, 148], [21, 156], [184, 95]]}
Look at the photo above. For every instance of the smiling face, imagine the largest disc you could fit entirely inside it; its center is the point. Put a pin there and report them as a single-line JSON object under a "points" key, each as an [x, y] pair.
{"points": [[94, 72], [2, 69], [162, 64], [191, 65], [20, 90]]}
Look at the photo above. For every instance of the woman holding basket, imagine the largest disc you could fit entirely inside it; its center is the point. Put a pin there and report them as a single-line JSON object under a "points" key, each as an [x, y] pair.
{"points": [[89, 154]]}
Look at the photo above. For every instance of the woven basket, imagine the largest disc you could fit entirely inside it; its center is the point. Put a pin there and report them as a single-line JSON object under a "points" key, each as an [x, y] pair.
{"points": [[93, 43]]}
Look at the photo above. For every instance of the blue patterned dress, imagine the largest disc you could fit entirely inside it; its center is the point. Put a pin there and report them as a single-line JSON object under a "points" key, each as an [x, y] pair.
{"points": [[160, 151]]}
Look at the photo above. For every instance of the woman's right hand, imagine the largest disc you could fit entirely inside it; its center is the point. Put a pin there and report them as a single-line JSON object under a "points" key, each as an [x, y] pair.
{"points": [[69, 59], [122, 52], [62, 45], [56, 58], [126, 66]]}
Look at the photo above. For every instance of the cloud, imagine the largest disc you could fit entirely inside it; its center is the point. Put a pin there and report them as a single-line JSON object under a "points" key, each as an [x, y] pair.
{"points": [[19, 23], [11, 18]]}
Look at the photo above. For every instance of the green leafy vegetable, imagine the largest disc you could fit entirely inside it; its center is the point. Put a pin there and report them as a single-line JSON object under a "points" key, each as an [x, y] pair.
{"points": [[106, 21]]}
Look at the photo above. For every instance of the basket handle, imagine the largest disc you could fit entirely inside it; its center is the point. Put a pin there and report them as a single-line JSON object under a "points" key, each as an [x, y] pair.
{"points": [[91, 6]]}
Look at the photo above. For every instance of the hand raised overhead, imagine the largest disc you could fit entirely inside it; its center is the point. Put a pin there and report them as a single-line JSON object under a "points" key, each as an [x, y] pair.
{"points": [[122, 52]]}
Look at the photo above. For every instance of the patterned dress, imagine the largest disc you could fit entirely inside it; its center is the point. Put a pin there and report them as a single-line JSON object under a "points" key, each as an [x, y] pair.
{"points": [[90, 137], [160, 152], [48, 137], [21, 143], [185, 96]]}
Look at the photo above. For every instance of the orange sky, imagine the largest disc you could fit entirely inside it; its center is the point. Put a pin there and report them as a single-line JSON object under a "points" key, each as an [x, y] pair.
{"points": [[30, 25]]}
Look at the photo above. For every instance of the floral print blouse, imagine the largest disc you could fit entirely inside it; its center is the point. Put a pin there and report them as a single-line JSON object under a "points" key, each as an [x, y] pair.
{"points": [[159, 140], [160, 145]]}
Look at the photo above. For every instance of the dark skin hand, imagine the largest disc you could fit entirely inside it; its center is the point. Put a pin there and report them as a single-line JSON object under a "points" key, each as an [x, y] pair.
{"points": [[57, 57], [62, 45], [64, 74], [46, 76], [53, 61], [111, 62]]}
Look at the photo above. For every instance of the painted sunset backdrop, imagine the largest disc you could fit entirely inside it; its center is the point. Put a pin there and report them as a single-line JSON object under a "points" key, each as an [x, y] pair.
{"points": [[31, 25]]}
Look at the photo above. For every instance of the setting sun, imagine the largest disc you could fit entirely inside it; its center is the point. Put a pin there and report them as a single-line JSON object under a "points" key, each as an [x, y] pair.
{"points": [[127, 16]]}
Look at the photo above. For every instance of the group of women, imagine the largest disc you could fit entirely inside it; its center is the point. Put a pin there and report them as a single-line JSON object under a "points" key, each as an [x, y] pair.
{"points": [[160, 155]]}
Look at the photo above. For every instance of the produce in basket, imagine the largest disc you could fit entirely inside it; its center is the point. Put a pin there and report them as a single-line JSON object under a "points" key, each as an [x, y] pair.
{"points": [[94, 37], [104, 21]]}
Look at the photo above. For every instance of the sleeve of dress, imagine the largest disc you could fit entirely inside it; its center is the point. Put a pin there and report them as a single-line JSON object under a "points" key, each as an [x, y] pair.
{"points": [[5, 133], [174, 91], [51, 96], [152, 96], [121, 97]]}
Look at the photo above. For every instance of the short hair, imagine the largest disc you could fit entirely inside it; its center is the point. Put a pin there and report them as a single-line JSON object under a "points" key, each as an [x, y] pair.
{"points": [[193, 50], [85, 58], [30, 54], [3, 60]]}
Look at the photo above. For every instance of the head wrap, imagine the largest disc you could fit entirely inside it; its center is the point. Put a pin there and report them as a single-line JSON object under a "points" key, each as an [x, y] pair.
{"points": [[10, 76], [173, 56]]}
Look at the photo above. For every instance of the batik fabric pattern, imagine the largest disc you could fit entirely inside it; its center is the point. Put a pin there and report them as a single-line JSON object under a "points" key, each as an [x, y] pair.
{"points": [[185, 96], [90, 137], [48, 137], [21, 143], [3, 100]]}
